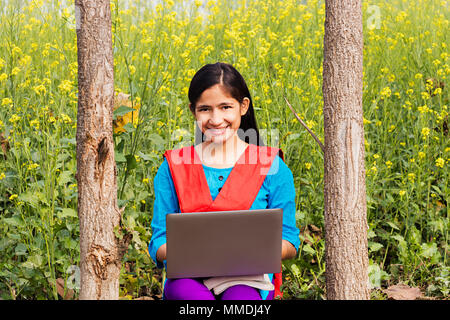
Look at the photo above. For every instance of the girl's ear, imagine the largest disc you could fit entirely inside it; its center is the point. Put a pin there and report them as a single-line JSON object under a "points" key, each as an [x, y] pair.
{"points": [[244, 106]]}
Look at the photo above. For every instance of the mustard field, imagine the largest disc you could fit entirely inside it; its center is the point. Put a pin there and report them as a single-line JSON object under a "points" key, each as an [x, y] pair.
{"points": [[278, 48]]}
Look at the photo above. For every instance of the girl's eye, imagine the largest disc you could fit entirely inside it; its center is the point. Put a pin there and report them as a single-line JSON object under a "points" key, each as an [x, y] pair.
{"points": [[227, 107], [202, 109]]}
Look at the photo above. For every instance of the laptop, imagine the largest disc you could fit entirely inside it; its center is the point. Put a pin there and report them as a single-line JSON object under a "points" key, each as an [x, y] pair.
{"points": [[223, 243]]}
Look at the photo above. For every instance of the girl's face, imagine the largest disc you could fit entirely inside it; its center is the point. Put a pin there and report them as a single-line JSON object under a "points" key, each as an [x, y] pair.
{"points": [[218, 114]]}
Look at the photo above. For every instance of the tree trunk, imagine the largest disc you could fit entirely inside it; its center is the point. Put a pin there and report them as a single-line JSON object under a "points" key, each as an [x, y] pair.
{"points": [[100, 251], [344, 173]]}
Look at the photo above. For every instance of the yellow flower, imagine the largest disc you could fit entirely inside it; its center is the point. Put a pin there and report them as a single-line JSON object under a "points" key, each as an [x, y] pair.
{"points": [[14, 118], [16, 51], [2, 176], [425, 132], [13, 196], [122, 99], [418, 76], [421, 155], [39, 89], [388, 164], [436, 62], [423, 109], [32, 166], [132, 69], [3, 77], [72, 186], [310, 124], [6, 101], [66, 118], [65, 86], [402, 193], [440, 162], [385, 92], [308, 165], [15, 71], [145, 180], [411, 177], [425, 95], [35, 124]]}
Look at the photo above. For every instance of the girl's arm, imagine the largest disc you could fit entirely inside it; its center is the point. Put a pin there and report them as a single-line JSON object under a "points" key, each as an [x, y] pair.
{"points": [[280, 182], [166, 201]]}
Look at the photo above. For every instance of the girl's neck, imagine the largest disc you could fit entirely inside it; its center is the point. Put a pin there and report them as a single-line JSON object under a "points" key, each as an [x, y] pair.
{"points": [[221, 155]]}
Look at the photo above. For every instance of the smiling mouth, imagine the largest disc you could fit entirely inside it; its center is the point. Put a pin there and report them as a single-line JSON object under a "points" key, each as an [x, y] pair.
{"points": [[217, 132]]}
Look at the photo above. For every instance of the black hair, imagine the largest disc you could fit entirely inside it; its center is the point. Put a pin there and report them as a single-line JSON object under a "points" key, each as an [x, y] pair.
{"points": [[232, 81]]}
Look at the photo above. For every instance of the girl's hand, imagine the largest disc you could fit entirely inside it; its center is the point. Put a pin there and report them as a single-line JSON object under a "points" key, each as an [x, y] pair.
{"points": [[161, 254], [287, 250]]}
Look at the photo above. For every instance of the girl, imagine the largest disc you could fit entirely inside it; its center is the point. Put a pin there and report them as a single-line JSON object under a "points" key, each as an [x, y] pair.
{"points": [[228, 154]]}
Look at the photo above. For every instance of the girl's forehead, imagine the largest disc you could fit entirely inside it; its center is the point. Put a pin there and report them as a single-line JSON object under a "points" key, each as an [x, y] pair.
{"points": [[215, 94]]}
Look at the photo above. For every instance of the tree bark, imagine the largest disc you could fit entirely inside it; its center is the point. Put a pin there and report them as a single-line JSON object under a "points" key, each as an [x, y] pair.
{"points": [[344, 174], [100, 251]]}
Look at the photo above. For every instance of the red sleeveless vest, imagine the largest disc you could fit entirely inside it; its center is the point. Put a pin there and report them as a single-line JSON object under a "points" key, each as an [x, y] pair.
{"points": [[238, 192]]}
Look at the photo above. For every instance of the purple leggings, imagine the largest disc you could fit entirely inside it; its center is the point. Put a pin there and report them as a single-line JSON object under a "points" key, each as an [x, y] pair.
{"points": [[194, 289]]}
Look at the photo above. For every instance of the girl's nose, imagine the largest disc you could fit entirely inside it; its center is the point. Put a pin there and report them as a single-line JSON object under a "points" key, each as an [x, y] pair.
{"points": [[216, 118]]}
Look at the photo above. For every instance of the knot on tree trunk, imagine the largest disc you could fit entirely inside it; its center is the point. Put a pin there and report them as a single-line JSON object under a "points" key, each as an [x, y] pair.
{"points": [[100, 257]]}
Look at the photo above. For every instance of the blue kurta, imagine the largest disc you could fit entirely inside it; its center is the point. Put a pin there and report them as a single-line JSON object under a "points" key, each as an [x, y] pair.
{"points": [[277, 191]]}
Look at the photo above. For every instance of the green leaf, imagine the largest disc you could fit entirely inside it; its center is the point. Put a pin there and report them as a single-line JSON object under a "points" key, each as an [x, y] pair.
{"points": [[117, 232], [376, 274], [119, 157], [392, 225], [20, 249], [122, 110], [14, 221], [129, 127], [429, 249], [374, 246], [130, 223], [29, 198], [156, 139], [131, 162], [308, 249], [295, 270], [64, 178], [67, 212], [36, 260], [146, 157]]}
